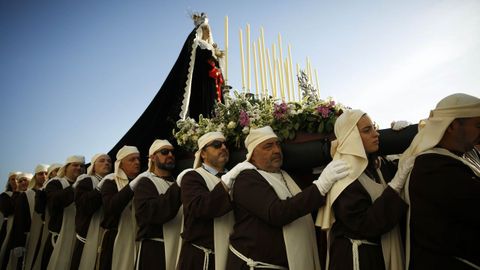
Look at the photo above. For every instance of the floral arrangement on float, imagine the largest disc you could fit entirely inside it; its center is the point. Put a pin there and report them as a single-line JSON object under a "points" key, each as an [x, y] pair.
{"points": [[239, 114]]}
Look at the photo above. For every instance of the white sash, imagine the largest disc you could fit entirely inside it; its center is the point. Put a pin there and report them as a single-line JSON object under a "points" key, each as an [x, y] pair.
{"points": [[392, 248], [12, 264], [37, 264], [124, 248], [299, 235], [171, 229], [92, 243], [63, 248], [222, 226]]}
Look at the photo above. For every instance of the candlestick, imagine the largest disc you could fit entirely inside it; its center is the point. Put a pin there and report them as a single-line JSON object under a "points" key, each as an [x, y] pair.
{"points": [[287, 80], [226, 49], [298, 83], [264, 58], [249, 85], [292, 78], [270, 73], [280, 51], [260, 62], [242, 60], [255, 69]]}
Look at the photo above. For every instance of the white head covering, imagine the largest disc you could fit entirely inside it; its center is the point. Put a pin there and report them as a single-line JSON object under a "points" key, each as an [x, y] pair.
{"points": [[70, 159], [121, 154], [41, 168], [256, 137], [155, 147], [348, 147], [52, 168], [458, 105], [13, 173], [24, 175], [92, 163], [38, 168], [204, 140]]}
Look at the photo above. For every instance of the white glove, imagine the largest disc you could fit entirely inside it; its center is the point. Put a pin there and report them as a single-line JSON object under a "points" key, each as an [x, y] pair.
{"points": [[399, 125], [404, 169], [228, 178], [18, 252], [335, 170], [99, 186], [133, 184], [180, 176]]}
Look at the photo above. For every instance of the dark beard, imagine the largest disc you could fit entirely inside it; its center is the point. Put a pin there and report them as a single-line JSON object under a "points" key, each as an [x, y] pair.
{"points": [[165, 166]]}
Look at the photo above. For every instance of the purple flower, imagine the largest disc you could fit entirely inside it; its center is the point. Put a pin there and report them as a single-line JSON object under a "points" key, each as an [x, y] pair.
{"points": [[323, 111], [244, 119], [280, 110]]}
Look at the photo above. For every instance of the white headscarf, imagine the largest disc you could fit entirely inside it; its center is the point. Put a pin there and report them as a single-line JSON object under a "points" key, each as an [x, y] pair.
{"points": [[38, 168], [256, 137], [70, 159], [202, 141], [92, 163], [52, 168], [155, 147], [348, 147], [458, 105], [120, 177]]}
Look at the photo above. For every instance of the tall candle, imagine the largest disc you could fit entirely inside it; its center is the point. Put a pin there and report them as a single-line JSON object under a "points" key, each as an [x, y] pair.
{"points": [[316, 80], [249, 85], [298, 83], [260, 62], [274, 66], [292, 78], [270, 72], [280, 51], [280, 78], [287, 80], [226, 49], [242, 60], [264, 59], [255, 68]]}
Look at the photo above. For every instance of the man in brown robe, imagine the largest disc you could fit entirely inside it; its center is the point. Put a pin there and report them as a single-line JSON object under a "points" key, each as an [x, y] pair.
{"points": [[205, 199], [88, 201], [157, 203], [273, 226], [117, 193], [444, 188], [61, 210]]}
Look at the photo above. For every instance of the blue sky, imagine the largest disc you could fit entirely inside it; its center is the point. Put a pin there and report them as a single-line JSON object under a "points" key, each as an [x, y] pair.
{"points": [[74, 76]]}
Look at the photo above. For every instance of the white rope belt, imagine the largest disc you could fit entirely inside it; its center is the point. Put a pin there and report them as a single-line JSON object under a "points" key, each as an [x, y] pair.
{"points": [[254, 264], [355, 244], [206, 252], [139, 254], [81, 239], [474, 266], [54, 234]]}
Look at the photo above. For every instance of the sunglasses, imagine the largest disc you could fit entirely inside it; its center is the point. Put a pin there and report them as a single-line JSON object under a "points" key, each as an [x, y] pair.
{"points": [[166, 151], [216, 144]]}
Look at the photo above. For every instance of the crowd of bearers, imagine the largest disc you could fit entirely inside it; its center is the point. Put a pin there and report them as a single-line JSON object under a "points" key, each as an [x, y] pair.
{"points": [[255, 216]]}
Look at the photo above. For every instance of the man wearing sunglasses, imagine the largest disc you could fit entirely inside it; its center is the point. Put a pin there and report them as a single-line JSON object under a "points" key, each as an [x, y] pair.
{"points": [[274, 228], [157, 210], [206, 203]]}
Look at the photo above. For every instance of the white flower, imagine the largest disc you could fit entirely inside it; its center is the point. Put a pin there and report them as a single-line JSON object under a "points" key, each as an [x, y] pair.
{"points": [[245, 130], [231, 125]]}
